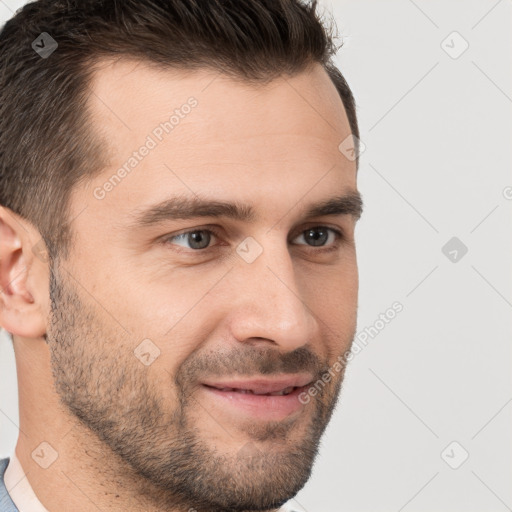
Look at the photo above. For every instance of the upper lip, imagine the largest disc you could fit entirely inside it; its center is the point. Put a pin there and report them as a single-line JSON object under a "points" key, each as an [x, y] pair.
{"points": [[263, 385]]}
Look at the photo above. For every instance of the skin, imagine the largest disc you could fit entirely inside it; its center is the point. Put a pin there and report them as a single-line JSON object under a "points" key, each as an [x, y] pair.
{"points": [[135, 437]]}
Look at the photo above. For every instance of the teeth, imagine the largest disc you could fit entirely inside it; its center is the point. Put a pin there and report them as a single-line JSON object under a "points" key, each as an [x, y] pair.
{"points": [[285, 391]]}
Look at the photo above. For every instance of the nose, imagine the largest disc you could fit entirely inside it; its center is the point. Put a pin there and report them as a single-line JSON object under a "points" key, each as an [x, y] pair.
{"points": [[269, 303]]}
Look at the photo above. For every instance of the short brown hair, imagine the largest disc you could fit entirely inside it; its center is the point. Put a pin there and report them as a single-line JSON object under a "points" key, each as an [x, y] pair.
{"points": [[46, 135]]}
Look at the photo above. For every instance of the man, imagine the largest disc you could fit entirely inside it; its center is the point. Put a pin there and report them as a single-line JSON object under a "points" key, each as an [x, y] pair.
{"points": [[178, 269]]}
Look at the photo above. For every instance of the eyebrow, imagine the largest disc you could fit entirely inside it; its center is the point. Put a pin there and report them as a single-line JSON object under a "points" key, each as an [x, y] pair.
{"points": [[184, 207]]}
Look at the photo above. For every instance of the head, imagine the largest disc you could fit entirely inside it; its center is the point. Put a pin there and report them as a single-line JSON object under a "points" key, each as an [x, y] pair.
{"points": [[175, 213]]}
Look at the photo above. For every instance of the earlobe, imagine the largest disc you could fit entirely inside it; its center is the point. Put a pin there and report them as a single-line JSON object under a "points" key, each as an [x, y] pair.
{"points": [[21, 310]]}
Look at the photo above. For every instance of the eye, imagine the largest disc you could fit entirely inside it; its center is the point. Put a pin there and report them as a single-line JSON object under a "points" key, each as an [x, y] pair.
{"points": [[197, 239], [318, 236]]}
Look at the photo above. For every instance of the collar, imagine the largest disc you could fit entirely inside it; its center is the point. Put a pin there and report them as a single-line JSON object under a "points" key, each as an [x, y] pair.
{"points": [[19, 487]]}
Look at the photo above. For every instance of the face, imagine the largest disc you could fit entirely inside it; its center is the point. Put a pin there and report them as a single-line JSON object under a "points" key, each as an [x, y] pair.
{"points": [[168, 309]]}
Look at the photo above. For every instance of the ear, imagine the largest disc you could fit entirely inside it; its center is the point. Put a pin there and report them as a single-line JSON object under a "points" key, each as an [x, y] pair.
{"points": [[24, 294]]}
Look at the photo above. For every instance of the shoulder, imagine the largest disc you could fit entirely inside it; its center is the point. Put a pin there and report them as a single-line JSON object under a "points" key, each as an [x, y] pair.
{"points": [[3, 466], [6, 503]]}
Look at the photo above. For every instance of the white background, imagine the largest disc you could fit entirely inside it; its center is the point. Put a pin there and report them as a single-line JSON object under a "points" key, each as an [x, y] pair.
{"points": [[437, 131]]}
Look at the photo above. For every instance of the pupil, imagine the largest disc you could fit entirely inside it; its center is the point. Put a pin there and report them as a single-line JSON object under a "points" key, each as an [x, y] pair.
{"points": [[199, 240], [315, 238]]}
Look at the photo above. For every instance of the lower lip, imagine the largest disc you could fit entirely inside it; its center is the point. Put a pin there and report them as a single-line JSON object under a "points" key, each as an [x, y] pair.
{"points": [[264, 407]]}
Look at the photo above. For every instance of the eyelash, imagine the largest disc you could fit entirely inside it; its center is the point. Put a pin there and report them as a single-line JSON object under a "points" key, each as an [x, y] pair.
{"points": [[338, 234]]}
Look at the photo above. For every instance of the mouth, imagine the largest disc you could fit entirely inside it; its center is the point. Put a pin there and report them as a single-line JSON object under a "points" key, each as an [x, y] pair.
{"points": [[282, 385], [271, 400], [282, 392]]}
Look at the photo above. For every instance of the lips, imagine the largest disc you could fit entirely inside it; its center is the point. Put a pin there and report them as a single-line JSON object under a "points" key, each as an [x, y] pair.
{"points": [[273, 387], [260, 399], [282, 392]]}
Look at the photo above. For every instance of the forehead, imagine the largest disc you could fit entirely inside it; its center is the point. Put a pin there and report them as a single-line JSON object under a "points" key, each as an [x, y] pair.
{"points": [[131, 97], [180, 131]]}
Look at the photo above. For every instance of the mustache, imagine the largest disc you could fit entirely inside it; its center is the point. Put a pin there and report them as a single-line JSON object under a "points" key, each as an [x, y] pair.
{"points": [[248, 360]]}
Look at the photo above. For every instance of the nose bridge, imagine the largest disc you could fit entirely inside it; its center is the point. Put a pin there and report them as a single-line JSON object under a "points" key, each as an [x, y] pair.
{"points": [[269, 303]]}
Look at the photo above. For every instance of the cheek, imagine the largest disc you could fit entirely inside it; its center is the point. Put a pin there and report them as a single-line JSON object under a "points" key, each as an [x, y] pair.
{"points": [[335, 289], [334, 299], [158, 307], [177, 315]]}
